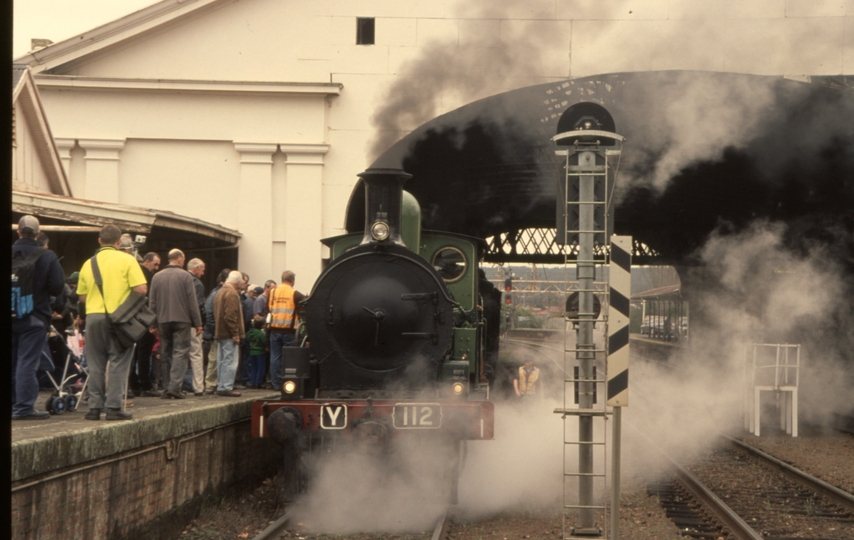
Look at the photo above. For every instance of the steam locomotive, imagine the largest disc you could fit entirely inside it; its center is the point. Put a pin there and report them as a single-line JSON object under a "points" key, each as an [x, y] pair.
{"points": [[397, 341]]}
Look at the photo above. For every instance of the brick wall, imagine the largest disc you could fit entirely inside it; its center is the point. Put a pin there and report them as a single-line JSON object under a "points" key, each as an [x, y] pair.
{"points": [[147, 493]]}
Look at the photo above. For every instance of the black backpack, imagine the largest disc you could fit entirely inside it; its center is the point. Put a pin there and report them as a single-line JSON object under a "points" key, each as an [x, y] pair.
{"points": [[23, 271]]}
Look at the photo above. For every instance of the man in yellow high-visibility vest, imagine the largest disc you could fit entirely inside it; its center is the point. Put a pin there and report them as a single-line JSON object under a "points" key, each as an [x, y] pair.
{"points": [[526, 380]]}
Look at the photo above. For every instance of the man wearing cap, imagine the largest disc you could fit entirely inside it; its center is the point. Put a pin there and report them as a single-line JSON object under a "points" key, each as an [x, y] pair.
{"points": [[526, 379], [29, 333], [120, 274], [261, 308]]}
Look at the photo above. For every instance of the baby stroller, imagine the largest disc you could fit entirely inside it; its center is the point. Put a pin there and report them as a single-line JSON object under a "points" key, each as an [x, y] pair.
{"points": [[71, 384]]}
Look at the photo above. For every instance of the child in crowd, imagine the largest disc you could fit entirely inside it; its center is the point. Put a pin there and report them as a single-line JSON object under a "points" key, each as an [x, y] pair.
{"points": [[75, 338], [257, 345], [155, 360]]}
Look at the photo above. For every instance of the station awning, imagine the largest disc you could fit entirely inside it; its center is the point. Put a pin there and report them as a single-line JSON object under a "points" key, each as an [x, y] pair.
{"points": [[72, 226], [131, 219]]}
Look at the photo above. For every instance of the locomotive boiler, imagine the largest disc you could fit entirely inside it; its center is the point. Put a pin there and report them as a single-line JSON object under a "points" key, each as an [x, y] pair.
{"points": [[394, 337]]}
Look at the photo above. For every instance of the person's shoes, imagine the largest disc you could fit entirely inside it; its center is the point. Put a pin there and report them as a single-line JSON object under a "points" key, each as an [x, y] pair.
{"points": [[210, 390], [151, 393], [130, 395], [35, 415], [198, 394], [118, 414], [171, 395], [227, 393], [94, 414], [239, 387]]}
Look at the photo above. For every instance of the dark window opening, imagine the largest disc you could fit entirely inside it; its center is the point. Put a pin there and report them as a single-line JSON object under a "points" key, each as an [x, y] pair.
{"points": [[365, 31]]}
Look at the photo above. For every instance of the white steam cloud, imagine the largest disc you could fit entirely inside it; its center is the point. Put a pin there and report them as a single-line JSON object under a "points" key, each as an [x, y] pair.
{"points": [[351, 491], [756, 291], [751, 289]]}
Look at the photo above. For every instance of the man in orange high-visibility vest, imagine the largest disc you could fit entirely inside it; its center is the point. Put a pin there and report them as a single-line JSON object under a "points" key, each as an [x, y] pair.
{"points": [[284, 317]]}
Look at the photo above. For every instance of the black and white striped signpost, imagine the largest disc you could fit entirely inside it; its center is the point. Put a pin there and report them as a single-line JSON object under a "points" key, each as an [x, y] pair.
{"points": [[617, 386], [620, 283]]}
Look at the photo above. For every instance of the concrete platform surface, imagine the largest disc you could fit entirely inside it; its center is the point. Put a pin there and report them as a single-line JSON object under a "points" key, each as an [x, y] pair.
{"points": [[40, 446]]}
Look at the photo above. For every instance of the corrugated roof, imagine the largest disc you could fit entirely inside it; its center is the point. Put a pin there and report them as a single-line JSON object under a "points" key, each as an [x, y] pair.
{"points": [[126, 217]]}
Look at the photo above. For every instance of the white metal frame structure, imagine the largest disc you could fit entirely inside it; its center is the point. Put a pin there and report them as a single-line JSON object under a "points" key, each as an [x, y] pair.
{"points": [[780, 375]]}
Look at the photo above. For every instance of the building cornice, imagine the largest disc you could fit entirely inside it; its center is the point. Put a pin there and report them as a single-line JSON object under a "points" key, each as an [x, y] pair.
{"points": [[136, 23], [187, 86]]}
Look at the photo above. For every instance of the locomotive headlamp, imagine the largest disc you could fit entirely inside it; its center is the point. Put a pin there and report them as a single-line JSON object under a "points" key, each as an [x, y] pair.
{"points": [[289, 387], [380, 230], [457, 388]]}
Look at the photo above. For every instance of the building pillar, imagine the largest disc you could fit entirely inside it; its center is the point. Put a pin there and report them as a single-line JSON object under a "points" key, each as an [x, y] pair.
{"points": [[102, 169], [303, 213], [64, 146], [254, 218]]}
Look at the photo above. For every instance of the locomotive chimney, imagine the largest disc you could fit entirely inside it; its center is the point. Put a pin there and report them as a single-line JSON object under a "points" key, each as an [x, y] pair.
{"points": [[383, 196]]}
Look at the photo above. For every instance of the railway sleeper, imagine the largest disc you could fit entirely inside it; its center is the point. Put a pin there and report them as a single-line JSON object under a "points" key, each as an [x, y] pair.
{"points": [[680, 507]]}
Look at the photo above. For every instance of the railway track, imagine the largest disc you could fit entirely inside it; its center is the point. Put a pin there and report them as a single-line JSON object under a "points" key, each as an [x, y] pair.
{"points": [[742, 493], [278, 528], [442, 528], [274, 531]]}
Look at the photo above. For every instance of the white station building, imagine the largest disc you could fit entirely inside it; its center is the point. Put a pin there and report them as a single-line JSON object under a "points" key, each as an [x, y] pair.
{"points": [[253, 117]]}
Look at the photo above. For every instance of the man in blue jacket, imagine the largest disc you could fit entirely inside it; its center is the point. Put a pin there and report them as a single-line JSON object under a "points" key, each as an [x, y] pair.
{"points": [[29, 333]]}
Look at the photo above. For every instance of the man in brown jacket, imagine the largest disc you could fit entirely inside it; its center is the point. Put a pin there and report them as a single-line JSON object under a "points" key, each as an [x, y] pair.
{"points": [[228, 314]]}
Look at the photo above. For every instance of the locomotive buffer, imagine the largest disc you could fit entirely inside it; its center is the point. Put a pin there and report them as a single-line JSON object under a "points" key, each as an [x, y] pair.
{"points": [[584, 226]]}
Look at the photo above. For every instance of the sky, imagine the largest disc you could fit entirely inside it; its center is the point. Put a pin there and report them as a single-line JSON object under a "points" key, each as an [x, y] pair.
{"points": [[58, 20]]}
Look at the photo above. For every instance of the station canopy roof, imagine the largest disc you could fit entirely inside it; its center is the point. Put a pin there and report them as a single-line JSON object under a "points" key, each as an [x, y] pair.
{"points": [[80, 213], [705, 151]]}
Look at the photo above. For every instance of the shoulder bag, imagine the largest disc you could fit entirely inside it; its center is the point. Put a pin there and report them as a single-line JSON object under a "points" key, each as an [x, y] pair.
{"points": [[132, 319]]}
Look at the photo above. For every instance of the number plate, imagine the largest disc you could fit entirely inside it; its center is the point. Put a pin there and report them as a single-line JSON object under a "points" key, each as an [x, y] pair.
{"points": [[417, 416], [333, 416]]}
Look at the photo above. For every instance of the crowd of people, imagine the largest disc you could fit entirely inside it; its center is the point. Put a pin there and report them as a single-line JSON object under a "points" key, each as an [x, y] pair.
{"points": [[216, 343]]}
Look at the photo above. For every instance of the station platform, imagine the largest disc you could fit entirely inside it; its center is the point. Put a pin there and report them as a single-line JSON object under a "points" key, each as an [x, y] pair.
{"points": [[139, 478]]}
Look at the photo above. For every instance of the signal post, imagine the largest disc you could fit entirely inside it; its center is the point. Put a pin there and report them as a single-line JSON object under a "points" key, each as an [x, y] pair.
{"points": [[584, 226]]}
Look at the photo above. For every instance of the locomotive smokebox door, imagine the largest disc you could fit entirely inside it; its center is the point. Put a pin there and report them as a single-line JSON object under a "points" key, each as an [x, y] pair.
{"points": [[378, 317]]}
